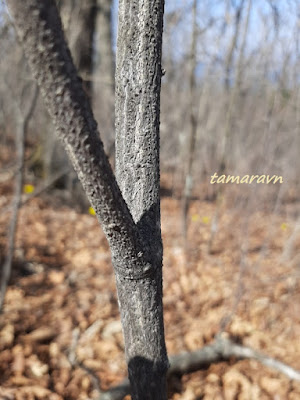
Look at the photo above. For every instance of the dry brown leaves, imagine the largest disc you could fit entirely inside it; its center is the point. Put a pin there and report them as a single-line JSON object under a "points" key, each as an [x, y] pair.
{"points": [[61, 309]]}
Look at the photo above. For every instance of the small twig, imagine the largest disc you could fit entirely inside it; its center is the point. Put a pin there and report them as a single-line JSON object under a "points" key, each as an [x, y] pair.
{"points": [[39, 190], [72, 356], [95, 379], [239, 291], [290, 243], [8, 173], [213, 228], [118, 392], [91, 331], [267, 241], [43, 187], [72, 350]]}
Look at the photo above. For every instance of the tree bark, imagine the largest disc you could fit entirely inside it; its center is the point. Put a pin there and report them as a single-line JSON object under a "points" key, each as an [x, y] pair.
{"points": [[78, 20], [132, 226], [138, 80]]}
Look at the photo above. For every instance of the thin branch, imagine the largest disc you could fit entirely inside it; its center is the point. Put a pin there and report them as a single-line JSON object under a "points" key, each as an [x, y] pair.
{"points": [[290, 243], [116, 393], [72, 357], [40, 189], [240, 288]]}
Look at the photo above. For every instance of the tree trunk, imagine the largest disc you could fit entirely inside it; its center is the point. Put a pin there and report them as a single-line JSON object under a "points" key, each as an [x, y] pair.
{"points": [[191, 136], [21, 131], [132, 226], [138, 80], [232, 47], [232, 94]]}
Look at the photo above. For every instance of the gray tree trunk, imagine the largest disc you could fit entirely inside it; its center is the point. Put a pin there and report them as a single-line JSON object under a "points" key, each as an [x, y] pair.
{"points": [[130, 223], [138, 80]]}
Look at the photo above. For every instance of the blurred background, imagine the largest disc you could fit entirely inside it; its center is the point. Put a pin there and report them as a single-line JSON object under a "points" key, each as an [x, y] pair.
{"points": [[230, 104]]}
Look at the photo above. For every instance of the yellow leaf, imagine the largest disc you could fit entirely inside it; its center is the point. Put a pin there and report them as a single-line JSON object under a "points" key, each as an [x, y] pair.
{"points": [[284, 226], [28, 189], [92, 211], [205, 220], [195, 217]]}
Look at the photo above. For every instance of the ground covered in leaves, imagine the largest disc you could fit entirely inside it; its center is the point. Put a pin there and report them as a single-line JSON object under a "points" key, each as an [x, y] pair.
{"points": [[60, 333]]}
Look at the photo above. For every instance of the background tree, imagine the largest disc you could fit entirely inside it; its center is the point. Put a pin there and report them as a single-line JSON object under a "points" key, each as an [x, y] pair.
{"points": [[21, 131], [104, 73]]}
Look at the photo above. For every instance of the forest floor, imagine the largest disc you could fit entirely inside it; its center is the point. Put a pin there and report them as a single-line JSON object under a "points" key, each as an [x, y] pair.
{"points": [[60, 333]]}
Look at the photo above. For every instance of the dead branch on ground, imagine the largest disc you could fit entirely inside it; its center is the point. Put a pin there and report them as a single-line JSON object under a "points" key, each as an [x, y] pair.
{"points": [[222, 349]]}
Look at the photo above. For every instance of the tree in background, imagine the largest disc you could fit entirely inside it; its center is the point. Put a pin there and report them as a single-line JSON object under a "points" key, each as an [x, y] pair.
{"points": [[104, 73], [79, 21], [88, 29]]}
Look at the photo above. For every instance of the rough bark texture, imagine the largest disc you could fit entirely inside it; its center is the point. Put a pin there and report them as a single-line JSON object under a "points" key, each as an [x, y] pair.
{"points": [[138, 79], [135, 242], [78, 19]]}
